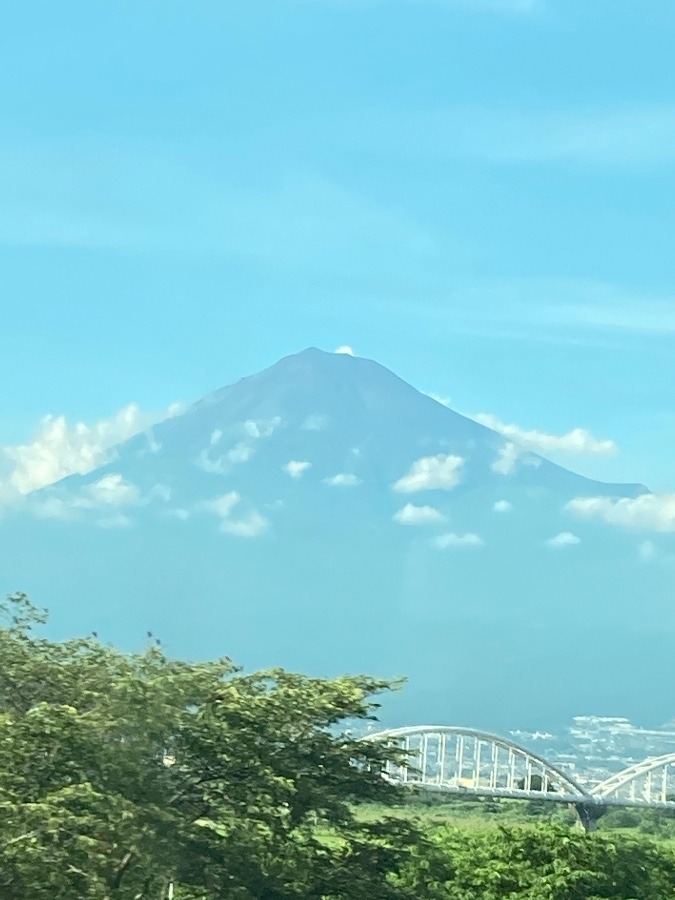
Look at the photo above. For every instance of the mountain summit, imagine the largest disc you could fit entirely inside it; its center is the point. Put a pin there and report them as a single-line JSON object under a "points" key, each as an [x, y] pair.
{"points": [[330, 414], [325, 515]]}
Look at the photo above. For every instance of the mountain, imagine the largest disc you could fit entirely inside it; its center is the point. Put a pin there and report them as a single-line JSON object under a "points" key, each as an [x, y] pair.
{"points": [[326, 516]]}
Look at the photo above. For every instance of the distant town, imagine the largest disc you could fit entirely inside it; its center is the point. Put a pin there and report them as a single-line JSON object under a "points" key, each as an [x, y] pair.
{"points": [[594, 747]]}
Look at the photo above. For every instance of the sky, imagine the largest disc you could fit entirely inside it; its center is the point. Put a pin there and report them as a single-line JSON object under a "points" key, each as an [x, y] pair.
{"points": [[476, 193]]}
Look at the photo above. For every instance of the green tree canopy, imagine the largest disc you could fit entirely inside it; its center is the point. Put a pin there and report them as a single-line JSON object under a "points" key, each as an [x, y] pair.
{"points": [[539, 863], [120, 773]]}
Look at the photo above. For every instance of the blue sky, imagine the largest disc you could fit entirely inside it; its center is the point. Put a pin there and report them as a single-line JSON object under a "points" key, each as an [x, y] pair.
{"points": [[477, 193]]}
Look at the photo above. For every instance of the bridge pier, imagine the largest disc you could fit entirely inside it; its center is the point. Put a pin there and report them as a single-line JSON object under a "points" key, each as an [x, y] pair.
{"points": [[589, 814]]}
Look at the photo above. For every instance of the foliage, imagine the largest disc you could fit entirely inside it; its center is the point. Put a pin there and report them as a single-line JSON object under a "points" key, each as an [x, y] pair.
{"points": [[542, 863], [119, 773]]}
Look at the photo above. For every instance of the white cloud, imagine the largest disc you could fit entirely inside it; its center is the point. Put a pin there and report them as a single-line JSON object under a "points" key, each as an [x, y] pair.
{"points": [[112, 490], [59, 449], [562, 540], [296, 468], [222, 506], [344, 479], [262, 428], [345, 350], [458, 540], [212, 466], [440, 472], [240, 453], [418, 515], [250, 432], [251, 524], [110, 494], [577, 441], [648, 512], [314, 423], [502, 506], [507, 459]]}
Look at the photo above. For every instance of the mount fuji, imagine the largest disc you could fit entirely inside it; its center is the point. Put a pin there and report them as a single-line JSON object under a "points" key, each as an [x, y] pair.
{"points": [[324, 515]]}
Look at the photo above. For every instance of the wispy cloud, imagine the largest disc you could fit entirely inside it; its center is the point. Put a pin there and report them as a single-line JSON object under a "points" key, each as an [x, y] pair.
{"points": [[575, 441], [150, 191], [630, 136], [60, 449], [248, 524], [309, 218], [314, 422], [648, 512], [246, 437], [637, 314], [118, 520], [509, 456], [649, 552], [557, 310], [105, 501], [343, 479]]}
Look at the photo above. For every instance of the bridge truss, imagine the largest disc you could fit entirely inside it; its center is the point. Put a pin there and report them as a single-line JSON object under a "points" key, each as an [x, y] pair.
{"points": [[468, 762]]}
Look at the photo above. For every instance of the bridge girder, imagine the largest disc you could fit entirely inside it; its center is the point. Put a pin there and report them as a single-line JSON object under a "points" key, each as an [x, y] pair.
{"points": [[471, 762], [650, 782]]}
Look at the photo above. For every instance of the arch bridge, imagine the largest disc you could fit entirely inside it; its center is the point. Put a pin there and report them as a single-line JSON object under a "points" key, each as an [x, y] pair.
{"points": [[471, 763]]}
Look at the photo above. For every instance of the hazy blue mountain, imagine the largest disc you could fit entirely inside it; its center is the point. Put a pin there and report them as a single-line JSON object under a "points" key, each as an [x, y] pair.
{"points": [[287, 520]]}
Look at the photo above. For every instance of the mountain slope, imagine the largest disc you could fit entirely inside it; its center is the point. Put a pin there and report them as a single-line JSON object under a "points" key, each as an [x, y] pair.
{"points": [[325, 515], [341, 414]]}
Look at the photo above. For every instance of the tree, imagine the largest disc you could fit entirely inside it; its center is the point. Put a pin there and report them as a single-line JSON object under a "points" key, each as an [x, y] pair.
{"points": [[122, 772], [542, 863]]}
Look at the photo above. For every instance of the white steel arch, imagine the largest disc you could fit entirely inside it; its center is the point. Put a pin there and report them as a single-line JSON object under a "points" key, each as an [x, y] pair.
{"points": [[647, 783], [470, 762]]}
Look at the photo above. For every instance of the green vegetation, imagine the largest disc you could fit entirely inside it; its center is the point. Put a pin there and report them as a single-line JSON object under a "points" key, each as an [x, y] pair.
{"points": [[544, 863], [121, 774]]}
